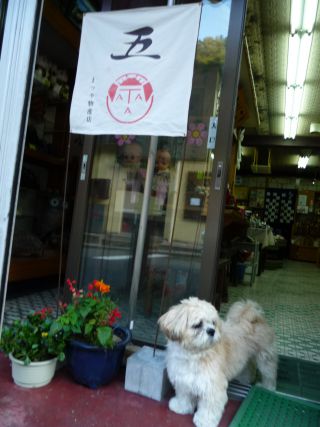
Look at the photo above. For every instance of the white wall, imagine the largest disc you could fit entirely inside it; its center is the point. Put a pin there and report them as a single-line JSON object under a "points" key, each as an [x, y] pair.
{"points": [[17, 58]]}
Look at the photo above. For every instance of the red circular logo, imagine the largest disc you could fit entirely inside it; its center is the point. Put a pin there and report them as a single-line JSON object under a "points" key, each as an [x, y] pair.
{"points": [[130, 98]]}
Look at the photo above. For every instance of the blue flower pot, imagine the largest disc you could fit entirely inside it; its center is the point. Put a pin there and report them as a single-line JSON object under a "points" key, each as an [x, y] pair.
{"points": [[95, 366]]}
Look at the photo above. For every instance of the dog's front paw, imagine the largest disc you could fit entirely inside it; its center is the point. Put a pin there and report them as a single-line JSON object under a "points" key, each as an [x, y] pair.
{"points": [[181, 406], [204, 420]]}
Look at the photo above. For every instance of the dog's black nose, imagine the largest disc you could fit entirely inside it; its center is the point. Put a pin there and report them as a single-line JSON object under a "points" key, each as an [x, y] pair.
{"points": [[210, 331]]}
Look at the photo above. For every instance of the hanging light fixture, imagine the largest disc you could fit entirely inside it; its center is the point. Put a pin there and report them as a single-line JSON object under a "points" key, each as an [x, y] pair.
{"points": [[302, 19]]}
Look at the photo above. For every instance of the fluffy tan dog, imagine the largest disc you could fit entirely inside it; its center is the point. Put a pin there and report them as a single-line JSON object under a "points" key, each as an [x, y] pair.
{"points": [[204, 353]]}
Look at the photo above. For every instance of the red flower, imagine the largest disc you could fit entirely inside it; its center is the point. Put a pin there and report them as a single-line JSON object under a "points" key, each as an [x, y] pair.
{"points": [[114, 315], [43, 313]]}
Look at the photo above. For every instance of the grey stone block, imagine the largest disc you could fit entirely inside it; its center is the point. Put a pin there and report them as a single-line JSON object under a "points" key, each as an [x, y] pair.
{"points": [[146, 374]]}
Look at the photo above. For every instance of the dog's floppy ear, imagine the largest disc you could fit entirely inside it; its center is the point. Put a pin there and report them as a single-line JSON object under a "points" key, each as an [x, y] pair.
{"points": [[174, 322]]}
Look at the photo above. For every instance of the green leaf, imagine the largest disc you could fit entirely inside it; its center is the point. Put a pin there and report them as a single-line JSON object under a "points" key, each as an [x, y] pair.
{"points": [[73, 318], [104, 334], [76, 329], [84, 311], [88, 328], [61, 357], [55, 328]]}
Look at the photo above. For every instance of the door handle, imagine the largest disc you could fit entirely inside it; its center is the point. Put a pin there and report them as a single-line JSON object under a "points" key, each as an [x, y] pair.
{"points": [[83, 171]]}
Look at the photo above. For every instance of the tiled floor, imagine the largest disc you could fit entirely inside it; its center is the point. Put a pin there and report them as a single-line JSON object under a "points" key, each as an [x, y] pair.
{"points": [[19, 307], [290, 297]]}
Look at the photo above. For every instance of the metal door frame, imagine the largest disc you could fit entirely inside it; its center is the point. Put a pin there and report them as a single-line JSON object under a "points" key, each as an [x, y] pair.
{"points": [[218, 185]]}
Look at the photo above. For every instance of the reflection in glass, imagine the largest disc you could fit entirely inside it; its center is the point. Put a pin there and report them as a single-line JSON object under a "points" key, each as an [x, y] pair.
{"points": [[178, 202]]}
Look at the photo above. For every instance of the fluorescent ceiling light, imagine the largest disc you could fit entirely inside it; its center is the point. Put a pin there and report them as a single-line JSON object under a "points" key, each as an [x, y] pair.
{"points": [[303, 14], [297, 98], [287, 128], [290, 127], [302, 162], [296, 15], [293, 56], [303, 59], [293, 101], [310, 12]]}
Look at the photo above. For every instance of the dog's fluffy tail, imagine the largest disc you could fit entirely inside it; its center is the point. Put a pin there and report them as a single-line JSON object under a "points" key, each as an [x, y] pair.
{"points": [[260, 337], [245, 310]]}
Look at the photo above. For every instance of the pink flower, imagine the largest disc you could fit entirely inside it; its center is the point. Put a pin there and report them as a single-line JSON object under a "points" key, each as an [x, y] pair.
{"points": [[70, 284], [62, 305], [124, 139], [197, 133]]}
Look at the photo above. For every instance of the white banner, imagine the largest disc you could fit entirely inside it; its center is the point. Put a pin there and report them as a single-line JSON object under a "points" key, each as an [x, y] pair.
{"points": [[135, 71]]}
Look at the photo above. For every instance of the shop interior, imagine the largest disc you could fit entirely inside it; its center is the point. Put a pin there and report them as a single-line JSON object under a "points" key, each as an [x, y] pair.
{"points": [[270, 247]]}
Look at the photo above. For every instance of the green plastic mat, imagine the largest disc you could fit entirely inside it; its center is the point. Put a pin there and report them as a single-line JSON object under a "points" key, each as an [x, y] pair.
{"points": [[264, 408], [299, 378]]}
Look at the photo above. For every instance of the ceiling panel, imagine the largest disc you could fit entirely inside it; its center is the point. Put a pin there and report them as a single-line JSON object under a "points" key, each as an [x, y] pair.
{"points": [[267, 31]]}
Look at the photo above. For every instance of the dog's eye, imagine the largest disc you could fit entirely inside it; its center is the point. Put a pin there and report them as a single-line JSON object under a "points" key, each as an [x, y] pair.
{"points": [[197, 325]]}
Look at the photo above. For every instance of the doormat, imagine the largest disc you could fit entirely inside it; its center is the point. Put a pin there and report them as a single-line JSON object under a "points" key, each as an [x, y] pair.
{"points": [[265, 408], [299, 378]]}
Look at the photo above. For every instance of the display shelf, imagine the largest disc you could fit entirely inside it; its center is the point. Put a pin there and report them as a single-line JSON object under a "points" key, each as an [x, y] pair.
{"points": [[61, 24], [303, 253], [305, 238], [25, 268], [38, 156], [45, 152]]}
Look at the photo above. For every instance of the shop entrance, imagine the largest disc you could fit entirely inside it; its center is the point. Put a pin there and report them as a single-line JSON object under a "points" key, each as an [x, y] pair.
{"points": [[111, 193], [98, 238]]}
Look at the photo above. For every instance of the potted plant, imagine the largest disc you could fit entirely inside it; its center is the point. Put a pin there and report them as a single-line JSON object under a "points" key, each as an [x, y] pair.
{"points": [[95, 344], [32, 350]]}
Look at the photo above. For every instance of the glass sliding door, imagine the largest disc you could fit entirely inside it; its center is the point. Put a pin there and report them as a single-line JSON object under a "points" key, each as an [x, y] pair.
{"points": [[115, 196], [174, 244], [181, 180]]}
